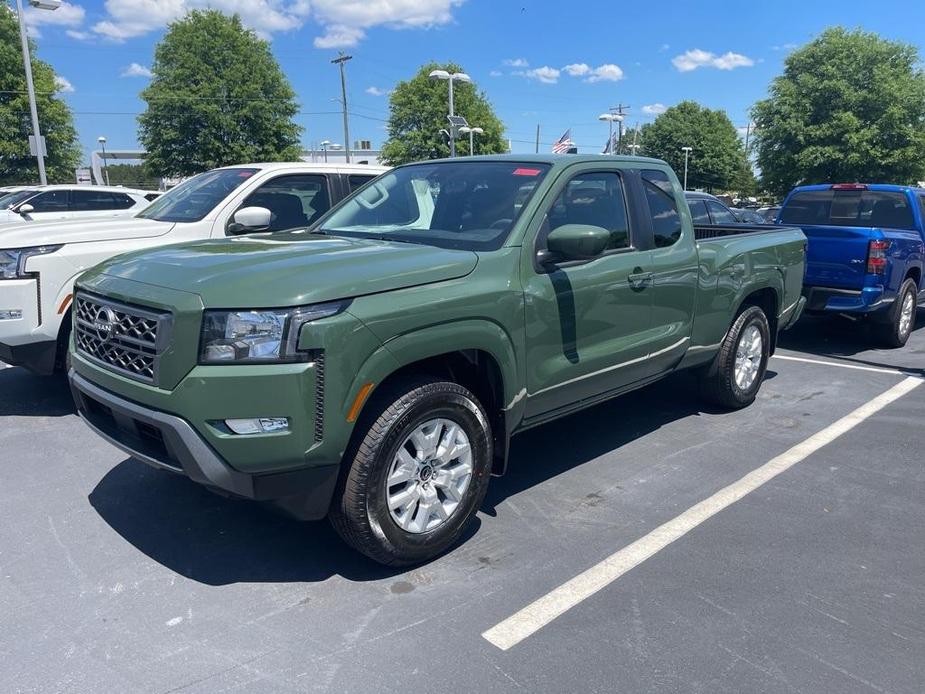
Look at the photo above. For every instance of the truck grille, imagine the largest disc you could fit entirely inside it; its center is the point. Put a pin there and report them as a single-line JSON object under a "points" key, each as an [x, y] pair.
{"points": [[127, 339]]}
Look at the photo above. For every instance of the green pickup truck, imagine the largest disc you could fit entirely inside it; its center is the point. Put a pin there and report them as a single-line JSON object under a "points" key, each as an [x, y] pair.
{"points": [[373, 367]]}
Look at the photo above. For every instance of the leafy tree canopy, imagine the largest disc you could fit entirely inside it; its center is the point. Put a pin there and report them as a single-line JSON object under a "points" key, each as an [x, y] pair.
{"points": [[418, 112], [850, 106], [55, 119], [217, 97], [717, 152]]}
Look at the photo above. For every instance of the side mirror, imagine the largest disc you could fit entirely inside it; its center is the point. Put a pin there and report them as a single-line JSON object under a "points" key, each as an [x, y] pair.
{"points": [[25, 209], [575, 242], [249, 219]]}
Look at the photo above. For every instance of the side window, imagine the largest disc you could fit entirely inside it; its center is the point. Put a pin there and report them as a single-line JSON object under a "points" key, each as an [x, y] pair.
{"points": [[294, 201], [93, 200], [52, 201], [666, 222], [699, 212], [720, 214], [358, 181], [922, 208], [596, 199], [121, 201]]}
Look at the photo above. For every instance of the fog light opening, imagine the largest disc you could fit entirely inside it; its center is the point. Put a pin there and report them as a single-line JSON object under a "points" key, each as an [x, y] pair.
{"points": [[260, 425]]}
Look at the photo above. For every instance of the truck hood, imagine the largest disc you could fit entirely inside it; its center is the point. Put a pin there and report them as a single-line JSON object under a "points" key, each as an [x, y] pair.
{"points": [[288, 269], [80, 231]]}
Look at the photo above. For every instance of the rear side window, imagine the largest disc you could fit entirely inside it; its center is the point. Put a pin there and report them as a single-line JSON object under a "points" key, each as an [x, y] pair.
{"points": [[666, 222], [91, 200], [848, 208], [595, 199], [699, 211], [720, 214]]}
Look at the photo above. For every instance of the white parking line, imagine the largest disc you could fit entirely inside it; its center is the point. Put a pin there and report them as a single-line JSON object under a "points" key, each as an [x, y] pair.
{"points": [[875, 369], [538, 614]]}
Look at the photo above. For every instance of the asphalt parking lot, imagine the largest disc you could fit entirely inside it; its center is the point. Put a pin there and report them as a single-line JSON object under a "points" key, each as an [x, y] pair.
{"points": [[115, 577]]}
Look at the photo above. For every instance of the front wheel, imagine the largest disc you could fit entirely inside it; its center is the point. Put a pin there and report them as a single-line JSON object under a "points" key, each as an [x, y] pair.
{"points": [[736, 374], [900, 320], [419, 473]]}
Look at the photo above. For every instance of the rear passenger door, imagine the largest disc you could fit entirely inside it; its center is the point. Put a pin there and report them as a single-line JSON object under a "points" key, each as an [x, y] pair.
{"points": [[675, 270], [585, 321]]}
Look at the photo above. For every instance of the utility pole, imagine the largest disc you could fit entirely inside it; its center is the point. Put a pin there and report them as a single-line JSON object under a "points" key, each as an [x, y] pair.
{"points": [[619, 110], [340, 60], [537, 151], [748, 131], [27, 64]]}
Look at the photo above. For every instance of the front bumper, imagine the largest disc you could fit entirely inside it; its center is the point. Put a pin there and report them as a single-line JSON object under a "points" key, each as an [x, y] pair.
{"points": [[169, 442], [38, 357], [836, 300]]}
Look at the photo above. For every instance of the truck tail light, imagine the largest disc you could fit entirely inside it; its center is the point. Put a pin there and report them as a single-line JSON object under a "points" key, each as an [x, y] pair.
{"points": [[876, 256], [849, 186]]}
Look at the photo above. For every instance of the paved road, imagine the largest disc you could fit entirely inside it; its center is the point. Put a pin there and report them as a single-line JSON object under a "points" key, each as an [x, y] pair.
{"points": [[116, 577]]}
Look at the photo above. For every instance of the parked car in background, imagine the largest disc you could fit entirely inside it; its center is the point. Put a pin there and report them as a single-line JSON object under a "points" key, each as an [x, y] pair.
{"points": [[375, 366], [709, 209], [38, 262], [50, 203], [769, 214], [866, 252]]}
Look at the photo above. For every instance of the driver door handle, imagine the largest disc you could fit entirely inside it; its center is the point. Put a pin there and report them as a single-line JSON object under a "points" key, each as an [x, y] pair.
{"points": [[639, 280]]}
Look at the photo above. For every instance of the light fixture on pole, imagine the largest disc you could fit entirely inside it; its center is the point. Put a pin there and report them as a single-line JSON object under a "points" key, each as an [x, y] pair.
{"points": [[324, 149], [466, 130], [102, 141], [341, 60], [687, 152], [611, 118], [450, 78], [27, 64]]}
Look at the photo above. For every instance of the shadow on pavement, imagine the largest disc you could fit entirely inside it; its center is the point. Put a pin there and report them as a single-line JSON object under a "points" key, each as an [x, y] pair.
{"points": [[23, 394], [851, 341]]}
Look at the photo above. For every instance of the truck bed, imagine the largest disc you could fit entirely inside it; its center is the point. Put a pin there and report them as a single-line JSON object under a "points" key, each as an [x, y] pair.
{"points": [[703, 232]]}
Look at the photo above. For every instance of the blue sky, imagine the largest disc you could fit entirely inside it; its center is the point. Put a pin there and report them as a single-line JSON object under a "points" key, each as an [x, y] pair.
{"points": [[555, 64]]}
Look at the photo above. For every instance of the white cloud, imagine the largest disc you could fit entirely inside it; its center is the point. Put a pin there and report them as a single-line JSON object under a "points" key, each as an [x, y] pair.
{"points": [[79, 35], [664, 47], [67, 15], [545, 74], [696, 58], [516, 62], [376, 91], [606, 73], [577, 69], [495, 73], [63, 85], [136, 70], [338, 36], [784, 47], [347, 20], [654, 109]]}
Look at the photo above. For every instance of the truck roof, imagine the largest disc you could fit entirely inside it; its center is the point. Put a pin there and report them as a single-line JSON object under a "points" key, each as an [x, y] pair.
{"points": [[888, 187], [553, 159]]}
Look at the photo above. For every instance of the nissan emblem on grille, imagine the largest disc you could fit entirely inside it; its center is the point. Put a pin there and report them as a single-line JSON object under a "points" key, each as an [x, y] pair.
{"points": [[124, 338]]}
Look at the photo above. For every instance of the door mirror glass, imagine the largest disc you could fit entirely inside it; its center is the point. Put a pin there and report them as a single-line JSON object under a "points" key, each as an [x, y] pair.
{"points": [[249, 219], [25, 209], [576, 242]]}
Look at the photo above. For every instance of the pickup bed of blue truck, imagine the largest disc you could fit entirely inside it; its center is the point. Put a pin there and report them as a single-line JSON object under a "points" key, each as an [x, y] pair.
{"points": [[866, 250]]}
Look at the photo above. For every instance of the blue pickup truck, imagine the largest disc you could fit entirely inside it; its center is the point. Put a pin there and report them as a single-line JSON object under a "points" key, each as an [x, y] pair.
{"points": [[866, 249]]}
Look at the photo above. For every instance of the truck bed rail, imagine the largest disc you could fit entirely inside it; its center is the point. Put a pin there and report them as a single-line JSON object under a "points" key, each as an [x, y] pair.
{"points": [[703, 232]]}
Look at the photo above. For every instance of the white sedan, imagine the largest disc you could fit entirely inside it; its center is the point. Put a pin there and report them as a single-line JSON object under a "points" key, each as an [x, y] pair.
{"points": [[49, 203]]}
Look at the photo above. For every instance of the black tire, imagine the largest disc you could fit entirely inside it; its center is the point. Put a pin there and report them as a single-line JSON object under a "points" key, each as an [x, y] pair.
{"points": [[62, 354], [360, 512], [891, 333], [718, 384]]}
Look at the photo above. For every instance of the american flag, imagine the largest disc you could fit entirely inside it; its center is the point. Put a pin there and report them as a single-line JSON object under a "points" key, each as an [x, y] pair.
{"points": [[562, 145]]}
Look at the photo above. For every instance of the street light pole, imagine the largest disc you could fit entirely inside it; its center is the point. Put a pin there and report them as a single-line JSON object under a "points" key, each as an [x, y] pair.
{"points": [[687, 152], [27, 64], [324, 149], [102, 141], [340, 60], [454, 77], [471, 131]]}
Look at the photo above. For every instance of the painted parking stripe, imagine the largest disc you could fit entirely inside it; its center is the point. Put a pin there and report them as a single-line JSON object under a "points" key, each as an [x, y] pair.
{"points": [[820, 362], [538, 614]]}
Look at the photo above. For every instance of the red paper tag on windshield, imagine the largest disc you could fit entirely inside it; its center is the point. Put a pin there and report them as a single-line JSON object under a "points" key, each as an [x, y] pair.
{"points": [[527, 172]]}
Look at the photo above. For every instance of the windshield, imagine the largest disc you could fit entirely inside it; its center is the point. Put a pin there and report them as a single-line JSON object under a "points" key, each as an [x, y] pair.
{"points": [[194, 199], [848, 208], [465, 205], [10, 199]]}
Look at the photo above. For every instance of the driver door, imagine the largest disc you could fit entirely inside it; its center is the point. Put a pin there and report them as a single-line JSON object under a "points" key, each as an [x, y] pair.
{"points": [[586, 321]]}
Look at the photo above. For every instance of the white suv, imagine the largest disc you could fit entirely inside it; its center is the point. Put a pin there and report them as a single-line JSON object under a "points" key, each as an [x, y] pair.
{"points": [[39, 262], [49, 203]]}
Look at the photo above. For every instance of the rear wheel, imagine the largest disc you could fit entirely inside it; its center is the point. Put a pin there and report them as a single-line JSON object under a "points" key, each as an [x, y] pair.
{"points": [[900, 319], [419, 473], [736, 374]]}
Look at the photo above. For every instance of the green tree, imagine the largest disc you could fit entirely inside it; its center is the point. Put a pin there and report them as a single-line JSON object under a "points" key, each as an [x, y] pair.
{"points": [[717, 152], [55, 119], [418, 112], [217, 97], [132, 176], [850, 106]]}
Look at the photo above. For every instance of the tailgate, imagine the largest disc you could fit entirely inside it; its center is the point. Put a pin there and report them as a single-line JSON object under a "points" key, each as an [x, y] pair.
{"points": [[837, 256]]}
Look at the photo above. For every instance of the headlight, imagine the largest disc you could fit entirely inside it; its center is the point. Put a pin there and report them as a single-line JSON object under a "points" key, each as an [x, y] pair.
{"points": [[13, 262], [258, 336]]}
